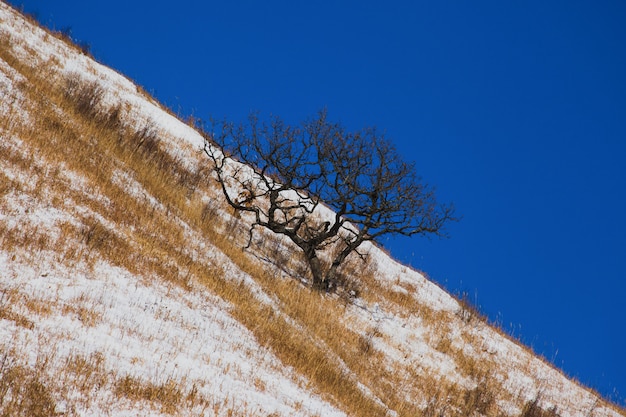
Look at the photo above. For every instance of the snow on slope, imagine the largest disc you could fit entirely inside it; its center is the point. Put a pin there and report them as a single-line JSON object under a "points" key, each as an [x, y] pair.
{"points": [[141, 328], [157, 332]]}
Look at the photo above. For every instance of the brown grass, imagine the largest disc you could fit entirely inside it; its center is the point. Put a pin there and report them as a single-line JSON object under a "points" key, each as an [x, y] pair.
{"points": [[22, 392], [158, 243], [74, 131], [7, 314], [168, 394], [532, 409]]}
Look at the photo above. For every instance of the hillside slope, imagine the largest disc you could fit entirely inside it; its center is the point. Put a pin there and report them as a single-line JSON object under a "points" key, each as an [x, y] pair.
{"points": [[124, 290]]}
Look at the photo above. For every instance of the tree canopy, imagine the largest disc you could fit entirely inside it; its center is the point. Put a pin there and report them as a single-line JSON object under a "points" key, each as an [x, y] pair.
{"points": [[286, 172]]}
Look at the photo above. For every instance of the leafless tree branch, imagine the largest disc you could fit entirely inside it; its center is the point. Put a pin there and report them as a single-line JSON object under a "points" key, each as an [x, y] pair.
{"points": [[286, 172]]}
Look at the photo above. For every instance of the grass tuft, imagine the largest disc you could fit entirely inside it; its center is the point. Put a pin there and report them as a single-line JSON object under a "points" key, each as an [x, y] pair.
{"points": [[168, 395], [22, 393]]}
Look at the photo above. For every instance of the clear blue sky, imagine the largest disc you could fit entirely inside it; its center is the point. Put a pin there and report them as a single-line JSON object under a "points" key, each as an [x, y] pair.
{"points": [[514, 110]]}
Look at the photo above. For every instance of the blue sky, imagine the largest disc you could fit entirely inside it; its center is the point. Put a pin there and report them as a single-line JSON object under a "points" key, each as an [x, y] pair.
{"points": [[515, 111]]}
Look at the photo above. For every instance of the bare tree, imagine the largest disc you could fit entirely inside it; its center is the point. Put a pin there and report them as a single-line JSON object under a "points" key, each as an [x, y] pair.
{"points": [[286, 172]]}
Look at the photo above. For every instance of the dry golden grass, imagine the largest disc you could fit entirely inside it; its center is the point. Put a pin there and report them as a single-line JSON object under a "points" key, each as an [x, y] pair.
{"points": [[23, 394], [6, 184], [85, 375], [157, 245], [75, 131], [23, 390], [168, 395], [532, 409], [319, 349], [7, 313]]}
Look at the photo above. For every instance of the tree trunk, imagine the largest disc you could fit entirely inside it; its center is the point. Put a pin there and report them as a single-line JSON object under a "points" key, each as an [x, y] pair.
{"points": [[331, 274], [332, 271], [316, 270]]}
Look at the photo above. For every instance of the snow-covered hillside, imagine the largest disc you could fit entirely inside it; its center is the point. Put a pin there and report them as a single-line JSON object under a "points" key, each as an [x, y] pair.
{"points": [[124, 290]]}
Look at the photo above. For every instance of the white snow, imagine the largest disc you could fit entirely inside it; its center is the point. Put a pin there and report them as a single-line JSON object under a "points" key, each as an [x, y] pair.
{"points": [[154, 332], [158, 332]]}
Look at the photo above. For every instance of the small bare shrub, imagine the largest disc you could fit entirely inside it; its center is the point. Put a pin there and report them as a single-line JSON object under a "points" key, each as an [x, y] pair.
{"points": [[479, 400], [111, 119], [468, 311], [365, 342], [146, 140], [85, 96], [95, 235], [346, 284], [532, 409], [85, 47]]}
